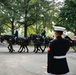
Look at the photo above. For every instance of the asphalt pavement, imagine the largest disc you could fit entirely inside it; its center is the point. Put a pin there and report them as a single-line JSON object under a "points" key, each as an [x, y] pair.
{"points": [[29, 63]]}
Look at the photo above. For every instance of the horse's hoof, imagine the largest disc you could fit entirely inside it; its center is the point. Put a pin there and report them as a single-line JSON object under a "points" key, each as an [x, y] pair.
{"points": [[27, 51], [11, 51], [20, 51], [42, 51], [36, 51]]}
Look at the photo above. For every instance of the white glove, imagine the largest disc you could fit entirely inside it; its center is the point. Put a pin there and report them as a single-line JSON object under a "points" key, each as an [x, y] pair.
{"points": [[64, 34]]}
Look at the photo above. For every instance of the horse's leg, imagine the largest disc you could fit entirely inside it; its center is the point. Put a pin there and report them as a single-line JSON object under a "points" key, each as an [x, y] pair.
{"points": [[13, 49], [24, 48], [27, 48], [20, 48], [9, 48], [34, 48], [42, 49], [45, 47]]}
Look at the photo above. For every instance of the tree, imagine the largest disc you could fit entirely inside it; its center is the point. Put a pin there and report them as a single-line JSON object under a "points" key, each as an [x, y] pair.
{"points": [[9, 14], [67, 16], [33, 11], [39, 13]]}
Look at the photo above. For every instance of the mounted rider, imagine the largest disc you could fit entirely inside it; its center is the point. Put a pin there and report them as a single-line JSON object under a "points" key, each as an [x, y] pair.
{"points": [[16, 35], [43, 34]]}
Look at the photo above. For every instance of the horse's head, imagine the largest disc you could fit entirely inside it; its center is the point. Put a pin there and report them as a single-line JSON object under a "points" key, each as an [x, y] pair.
{"points": [[2, 38], [48, 39]]}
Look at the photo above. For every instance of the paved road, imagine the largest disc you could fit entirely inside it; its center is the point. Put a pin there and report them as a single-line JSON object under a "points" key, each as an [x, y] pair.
{"points": [[29, 63]]}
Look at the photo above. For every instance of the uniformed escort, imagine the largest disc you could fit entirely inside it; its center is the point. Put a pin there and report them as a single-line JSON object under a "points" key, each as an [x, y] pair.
{"points": [[43, 34], [57, 50]]}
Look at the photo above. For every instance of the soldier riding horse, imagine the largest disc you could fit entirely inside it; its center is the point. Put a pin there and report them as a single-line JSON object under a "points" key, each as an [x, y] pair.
{"points": [[39, 41], [12, 40]]}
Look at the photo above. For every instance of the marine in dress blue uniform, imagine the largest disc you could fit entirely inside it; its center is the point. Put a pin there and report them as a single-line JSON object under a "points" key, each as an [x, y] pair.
{"points": [[57, 50]]}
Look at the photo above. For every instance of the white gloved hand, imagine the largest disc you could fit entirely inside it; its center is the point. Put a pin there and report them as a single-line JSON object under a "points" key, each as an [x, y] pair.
{"points": [[64, 34]]}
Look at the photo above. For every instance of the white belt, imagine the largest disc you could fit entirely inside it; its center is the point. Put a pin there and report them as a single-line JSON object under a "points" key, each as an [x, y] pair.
{"points": [[59, 57]]}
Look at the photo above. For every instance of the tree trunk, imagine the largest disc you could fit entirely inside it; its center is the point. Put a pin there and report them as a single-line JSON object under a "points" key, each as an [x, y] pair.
{"points": [[75, 32], [25, 30], [12, 29]]}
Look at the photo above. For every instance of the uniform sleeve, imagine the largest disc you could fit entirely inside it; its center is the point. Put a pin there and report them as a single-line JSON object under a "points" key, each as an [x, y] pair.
{"points": [[49, 56], [70, 40], [50, 49]]}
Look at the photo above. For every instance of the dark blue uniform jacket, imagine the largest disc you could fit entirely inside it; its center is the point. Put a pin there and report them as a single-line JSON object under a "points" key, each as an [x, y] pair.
{"points": [[58, 47]]}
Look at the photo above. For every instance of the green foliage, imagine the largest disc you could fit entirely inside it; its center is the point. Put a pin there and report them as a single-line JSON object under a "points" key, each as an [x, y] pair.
{"points": [[9, 15], [35, 12], [32, 15], [67, 16]]}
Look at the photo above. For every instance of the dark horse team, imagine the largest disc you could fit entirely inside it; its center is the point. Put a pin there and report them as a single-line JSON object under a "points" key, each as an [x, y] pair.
{"points": [[39, 42]]}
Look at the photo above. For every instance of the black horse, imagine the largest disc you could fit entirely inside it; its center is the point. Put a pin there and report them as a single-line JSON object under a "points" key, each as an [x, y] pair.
{"points": [[39, 42], [23, 42], [36, 39], [12, 40]]}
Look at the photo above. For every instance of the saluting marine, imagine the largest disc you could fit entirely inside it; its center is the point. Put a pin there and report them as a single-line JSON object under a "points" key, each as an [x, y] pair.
{"points": [[57, 50]]}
